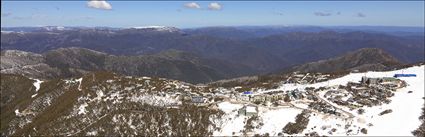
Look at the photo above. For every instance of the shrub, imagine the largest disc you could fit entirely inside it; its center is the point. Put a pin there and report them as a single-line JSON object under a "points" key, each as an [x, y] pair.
{"points": [[300, 124], [385, 112], [360, 111], [363, 130]]}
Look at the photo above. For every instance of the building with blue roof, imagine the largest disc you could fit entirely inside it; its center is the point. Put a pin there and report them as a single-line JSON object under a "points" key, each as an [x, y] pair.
{"points": [[404, 75], [247, 92]]}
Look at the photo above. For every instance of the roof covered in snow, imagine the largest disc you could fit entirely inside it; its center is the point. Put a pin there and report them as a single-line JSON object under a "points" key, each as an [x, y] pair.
{"points": [[251, 109]]}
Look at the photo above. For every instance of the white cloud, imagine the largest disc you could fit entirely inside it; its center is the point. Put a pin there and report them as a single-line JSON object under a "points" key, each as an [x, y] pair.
{"points": [[99, 4], [214, 6], [192, 5]]}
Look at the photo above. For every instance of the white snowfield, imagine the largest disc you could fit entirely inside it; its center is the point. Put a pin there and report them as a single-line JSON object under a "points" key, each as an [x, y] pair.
{"points": [[406, 109], [230, 122]]}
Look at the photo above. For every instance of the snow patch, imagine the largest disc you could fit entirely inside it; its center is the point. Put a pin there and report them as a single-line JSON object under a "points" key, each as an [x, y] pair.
{"points": [[79, 81], [82, 109], [92, 133], [32, 96], [37, 84], [275, 120], [17, 113], [228, 107], [75, 81], [99, 94], [155, 100]]}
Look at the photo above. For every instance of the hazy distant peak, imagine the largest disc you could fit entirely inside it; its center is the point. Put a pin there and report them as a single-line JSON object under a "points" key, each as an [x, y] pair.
{"points": [[3, 31], [53, 28], [158, 28]]}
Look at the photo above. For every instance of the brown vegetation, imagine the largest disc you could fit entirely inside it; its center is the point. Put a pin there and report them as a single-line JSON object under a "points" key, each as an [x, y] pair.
{"points": [[420, 131], [301, 122]]}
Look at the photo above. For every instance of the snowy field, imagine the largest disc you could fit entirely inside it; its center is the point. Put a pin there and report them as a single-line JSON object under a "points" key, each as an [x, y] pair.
{"points": [[401, 122]]}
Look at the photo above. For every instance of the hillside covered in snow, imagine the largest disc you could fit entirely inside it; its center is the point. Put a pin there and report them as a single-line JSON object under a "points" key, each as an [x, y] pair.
{"points": [[104, 103], [396, 118]]}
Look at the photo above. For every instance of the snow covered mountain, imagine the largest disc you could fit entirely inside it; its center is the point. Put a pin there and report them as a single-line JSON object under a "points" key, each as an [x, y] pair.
{"points": [[104, 103], [54, 28], [158, 28]]}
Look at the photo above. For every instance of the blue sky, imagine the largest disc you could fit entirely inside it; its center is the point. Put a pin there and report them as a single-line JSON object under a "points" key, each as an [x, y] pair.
{"points": [[224, 13]]}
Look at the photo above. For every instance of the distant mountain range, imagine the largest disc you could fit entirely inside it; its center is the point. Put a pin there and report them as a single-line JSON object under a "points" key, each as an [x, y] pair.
{"points": [[366, 59], [173, 64], [245, 31], [203, 54]]}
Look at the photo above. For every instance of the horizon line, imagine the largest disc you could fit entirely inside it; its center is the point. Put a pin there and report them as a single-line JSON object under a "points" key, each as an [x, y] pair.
{"points": [[34, 26]]}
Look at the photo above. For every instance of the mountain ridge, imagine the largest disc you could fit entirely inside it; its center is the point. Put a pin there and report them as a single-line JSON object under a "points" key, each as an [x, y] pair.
{"points": [[263, 54], [70, 62], [361, 60]]}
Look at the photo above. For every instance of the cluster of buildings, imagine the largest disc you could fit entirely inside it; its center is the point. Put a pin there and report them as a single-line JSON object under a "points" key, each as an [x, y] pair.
{"points": [[386, 81], [248, 110], [306, 78], [369, 92], [324, 108], [269, 97]]}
